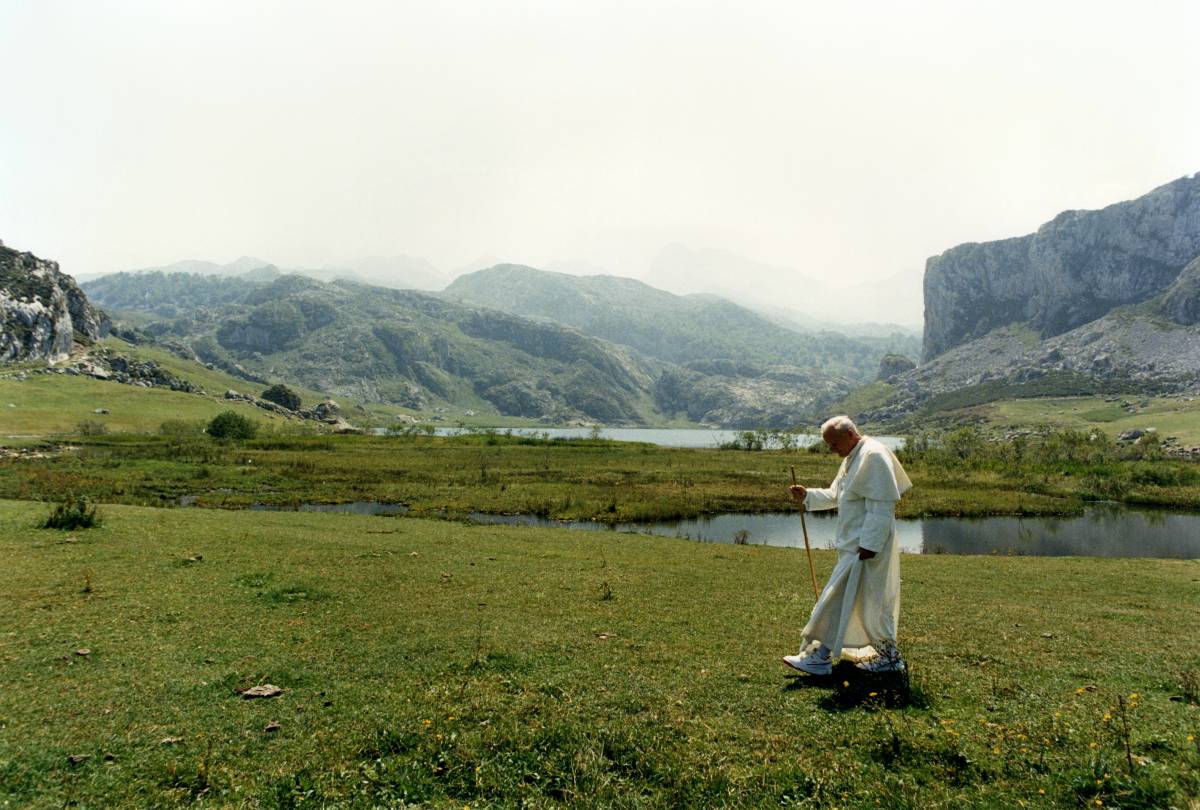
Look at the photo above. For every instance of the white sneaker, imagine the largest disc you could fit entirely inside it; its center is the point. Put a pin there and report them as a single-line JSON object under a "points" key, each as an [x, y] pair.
{"points": [[888, 660], [813, 663]]}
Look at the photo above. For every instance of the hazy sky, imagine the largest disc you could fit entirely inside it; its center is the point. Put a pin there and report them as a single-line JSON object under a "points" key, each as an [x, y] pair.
{"points": [[852, 140]]}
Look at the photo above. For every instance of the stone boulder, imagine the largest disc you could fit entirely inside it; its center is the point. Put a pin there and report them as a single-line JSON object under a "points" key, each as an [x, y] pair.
{"points": [[327, 410], [892, 366]]}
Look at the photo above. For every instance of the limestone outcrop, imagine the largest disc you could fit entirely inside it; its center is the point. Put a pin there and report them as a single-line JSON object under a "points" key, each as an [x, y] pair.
{"points": [[41, 309], [892, 366], [1075, 269], [1181, 302]]}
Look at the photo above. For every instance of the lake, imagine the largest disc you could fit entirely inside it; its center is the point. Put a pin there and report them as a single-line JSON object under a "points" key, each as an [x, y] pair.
{"points": [[1102, 531]]}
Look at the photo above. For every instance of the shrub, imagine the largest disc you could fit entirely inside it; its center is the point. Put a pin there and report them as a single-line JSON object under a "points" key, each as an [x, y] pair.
{"points": [[73, 513], [181, 427], [90, 427], [232, 425], [282, 395]]}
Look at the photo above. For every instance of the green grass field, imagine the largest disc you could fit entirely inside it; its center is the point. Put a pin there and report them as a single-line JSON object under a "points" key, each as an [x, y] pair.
{"points": [[1171, 416], [52, 404], [49, 405], [430, 662]]}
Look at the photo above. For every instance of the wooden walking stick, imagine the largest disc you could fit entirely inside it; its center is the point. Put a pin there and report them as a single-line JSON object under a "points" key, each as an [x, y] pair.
{"points": [[812, 572]]}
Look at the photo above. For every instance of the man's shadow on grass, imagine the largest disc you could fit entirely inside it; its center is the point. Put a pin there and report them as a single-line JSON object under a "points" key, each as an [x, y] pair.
{"points": [[851, 688]]}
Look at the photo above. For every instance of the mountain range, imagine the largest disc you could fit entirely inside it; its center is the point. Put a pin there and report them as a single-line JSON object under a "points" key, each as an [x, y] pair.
{"points": [[676, 358], [1093, 301]]}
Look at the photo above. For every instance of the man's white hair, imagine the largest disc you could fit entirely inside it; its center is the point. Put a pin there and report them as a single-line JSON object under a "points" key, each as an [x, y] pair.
{"points": [[838, 424]]}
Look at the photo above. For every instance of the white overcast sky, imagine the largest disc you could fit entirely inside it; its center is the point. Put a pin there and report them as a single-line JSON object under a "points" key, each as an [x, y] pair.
{"points": [[844, 140]]}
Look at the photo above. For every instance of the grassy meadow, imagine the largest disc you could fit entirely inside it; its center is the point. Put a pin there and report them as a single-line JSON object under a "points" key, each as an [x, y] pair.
{"points": [[51, 405], [1177, 416], [449, 665]]}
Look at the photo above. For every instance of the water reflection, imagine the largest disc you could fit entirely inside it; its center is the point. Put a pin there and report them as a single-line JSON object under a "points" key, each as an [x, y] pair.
{"points": [[1099, 532]]}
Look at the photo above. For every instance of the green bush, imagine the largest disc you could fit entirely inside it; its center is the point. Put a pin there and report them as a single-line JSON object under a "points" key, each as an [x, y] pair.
{"points": [[181, 427], [232, 425], [91, 427], [73, 513]]}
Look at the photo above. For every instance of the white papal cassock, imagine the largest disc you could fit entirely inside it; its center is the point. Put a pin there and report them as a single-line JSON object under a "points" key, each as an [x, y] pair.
{"points": [[860, 605]]}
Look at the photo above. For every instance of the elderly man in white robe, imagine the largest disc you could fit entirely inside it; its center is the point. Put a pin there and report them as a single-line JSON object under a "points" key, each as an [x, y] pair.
{"points": [[856, 615]]}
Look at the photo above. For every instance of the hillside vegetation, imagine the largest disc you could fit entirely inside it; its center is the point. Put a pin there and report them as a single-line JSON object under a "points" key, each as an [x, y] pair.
{"points": [[419, 351], [702, 332]]}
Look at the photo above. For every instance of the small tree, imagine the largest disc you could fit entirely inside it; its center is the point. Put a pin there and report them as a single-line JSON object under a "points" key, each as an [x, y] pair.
{"points": [[282, 395], [232, 425]]}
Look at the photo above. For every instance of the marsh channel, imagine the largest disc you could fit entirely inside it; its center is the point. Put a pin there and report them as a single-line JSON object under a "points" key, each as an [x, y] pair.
{"points": [[1103, 530]]}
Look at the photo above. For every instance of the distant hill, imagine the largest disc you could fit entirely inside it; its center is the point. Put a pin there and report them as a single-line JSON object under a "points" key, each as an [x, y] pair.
{"points": [[686, 270], [800, 322], [168, 295], [206, 268], [1094, 302], [762, 286], [698, 331], [418, 350], [399, 272]]}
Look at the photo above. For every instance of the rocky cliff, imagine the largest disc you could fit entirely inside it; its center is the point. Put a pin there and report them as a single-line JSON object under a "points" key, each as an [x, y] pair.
{"points": [[1075, 269], [1181, 301], [41, 309]]}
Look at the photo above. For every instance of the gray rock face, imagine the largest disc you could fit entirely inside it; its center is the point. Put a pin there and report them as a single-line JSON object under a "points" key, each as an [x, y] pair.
{"points": [[40, 309], [1181, 302], [1119, 351], [1074, 269]]}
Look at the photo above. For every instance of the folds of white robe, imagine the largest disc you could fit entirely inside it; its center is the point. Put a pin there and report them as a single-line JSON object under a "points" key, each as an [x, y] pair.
{"points": [[860, 605]]}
